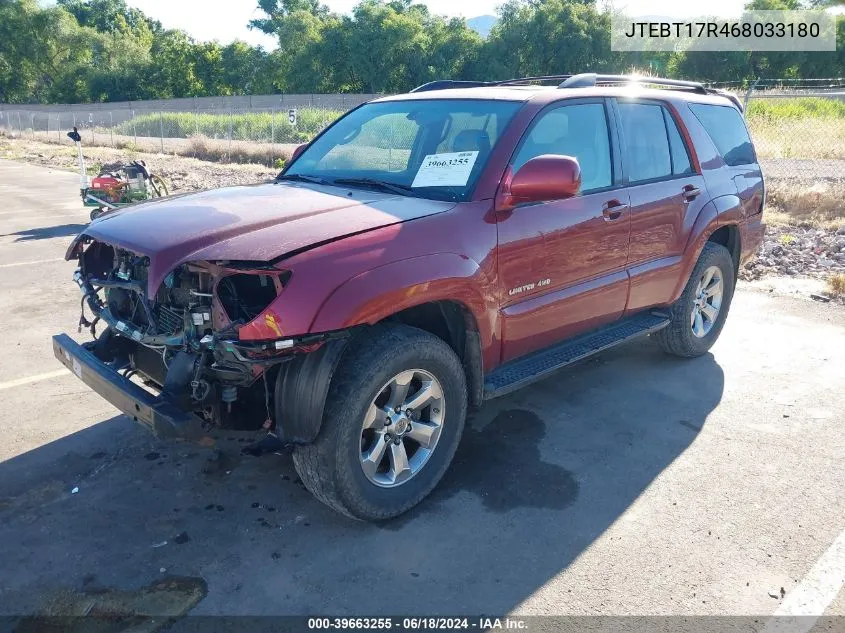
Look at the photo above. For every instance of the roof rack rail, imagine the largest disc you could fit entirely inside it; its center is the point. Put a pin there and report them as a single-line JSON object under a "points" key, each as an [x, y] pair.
{"points": [[585, 80], [522, 80], [446, 84]]}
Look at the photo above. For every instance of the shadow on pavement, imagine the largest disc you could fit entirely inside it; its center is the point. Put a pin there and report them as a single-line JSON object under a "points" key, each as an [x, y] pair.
{"points": [[47, 232], [539, 476]]}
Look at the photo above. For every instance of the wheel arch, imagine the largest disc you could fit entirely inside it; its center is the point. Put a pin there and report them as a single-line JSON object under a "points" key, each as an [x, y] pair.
{"points": [[717, 222], [728, 235], [453, 322]]}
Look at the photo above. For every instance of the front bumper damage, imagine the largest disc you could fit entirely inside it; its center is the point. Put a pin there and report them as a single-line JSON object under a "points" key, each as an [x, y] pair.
{"points": [[159, 415], [181, 369]]}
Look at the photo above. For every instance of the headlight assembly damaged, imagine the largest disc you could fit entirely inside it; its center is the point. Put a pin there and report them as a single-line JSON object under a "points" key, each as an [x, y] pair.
{"points": [[181, 340]]}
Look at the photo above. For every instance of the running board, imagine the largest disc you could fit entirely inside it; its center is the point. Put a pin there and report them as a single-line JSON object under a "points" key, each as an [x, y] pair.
{"points": [[522, 371]]}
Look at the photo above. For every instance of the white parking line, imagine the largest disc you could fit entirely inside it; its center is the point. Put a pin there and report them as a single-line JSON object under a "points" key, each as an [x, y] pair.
{"points": [[804, 604], [30, 379], [38, 261]]}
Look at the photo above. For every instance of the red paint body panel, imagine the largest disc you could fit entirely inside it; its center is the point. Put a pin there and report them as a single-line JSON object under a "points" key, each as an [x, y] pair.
{"points": [[571, 246]]}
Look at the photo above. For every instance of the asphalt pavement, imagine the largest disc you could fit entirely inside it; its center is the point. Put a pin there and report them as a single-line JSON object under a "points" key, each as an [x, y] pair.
{"points": [[634, 483]]}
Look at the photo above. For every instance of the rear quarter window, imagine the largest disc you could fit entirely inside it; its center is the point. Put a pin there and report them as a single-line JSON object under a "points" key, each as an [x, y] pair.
{"points": [[726, 128]]}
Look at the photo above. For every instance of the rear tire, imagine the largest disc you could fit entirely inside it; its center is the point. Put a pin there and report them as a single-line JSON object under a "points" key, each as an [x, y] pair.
{"points": [[690, 332], [334, 467]]}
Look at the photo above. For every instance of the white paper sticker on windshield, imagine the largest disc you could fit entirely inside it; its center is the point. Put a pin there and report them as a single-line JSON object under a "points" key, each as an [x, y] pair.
{"points": [[445, 170]]}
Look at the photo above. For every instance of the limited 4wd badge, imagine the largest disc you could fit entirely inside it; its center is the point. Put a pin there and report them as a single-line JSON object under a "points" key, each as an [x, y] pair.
{"points": [[527, 287], [445, 170]]}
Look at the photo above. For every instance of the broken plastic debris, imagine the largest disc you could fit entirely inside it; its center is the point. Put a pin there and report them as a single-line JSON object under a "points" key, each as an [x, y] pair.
{"points": [[75, 490], [162, 544], [163, 570]]}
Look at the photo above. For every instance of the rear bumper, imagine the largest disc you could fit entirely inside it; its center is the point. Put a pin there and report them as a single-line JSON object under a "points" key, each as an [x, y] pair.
{"points": [[159, 415]]}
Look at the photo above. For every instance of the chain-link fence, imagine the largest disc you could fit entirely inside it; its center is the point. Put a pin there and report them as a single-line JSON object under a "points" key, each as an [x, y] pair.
{"points": [[236, 129], [798, 129], [799, 136], [798, 126]]}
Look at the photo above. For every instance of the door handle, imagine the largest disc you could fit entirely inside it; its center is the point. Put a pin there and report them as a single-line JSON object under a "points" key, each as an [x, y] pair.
{"points": [[690, 192], [613, 210]]}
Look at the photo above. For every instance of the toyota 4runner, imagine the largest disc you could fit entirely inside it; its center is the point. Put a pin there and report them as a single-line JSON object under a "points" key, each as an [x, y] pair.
{"points": [[424, 253]]}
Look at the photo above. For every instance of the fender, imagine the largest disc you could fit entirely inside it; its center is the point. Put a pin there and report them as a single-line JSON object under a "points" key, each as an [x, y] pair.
{"points": [[380, 292], [719, 212]]}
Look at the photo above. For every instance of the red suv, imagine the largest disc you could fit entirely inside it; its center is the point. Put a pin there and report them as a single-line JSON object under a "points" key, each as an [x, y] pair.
{"points": [[426, 252]]}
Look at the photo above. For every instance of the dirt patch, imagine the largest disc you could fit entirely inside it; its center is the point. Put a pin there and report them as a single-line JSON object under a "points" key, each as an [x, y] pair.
{"points": [[180, 173]]}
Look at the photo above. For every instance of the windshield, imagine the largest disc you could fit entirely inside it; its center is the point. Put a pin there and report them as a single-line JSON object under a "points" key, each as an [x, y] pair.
{"points": [[427, 148]]}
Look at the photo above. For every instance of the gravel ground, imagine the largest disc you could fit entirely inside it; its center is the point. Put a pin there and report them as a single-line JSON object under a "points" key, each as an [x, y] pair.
{"points": [[789, 250]]}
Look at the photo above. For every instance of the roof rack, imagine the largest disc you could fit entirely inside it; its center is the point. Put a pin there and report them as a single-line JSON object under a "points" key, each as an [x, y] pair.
{"points": [[585, 80]]}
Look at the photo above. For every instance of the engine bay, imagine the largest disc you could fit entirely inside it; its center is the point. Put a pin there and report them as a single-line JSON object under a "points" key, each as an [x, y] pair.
{"points": [[182, 341]]}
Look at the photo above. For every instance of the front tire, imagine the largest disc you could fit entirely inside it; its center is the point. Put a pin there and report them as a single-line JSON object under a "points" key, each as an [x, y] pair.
{"points": [[699, 314], [393, 418]]}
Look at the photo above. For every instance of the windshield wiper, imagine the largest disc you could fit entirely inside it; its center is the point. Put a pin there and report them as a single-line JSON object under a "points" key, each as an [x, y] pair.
{"points": [[304, 178], [402, 190]]}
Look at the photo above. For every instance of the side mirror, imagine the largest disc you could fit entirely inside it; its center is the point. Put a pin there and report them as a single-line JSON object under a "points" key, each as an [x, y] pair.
{"points": [[297, 151], [546, 177], [74, 136]]}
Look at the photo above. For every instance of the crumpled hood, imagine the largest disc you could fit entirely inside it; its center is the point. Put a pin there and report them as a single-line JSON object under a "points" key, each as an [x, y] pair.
{"points": [[253, 222]]}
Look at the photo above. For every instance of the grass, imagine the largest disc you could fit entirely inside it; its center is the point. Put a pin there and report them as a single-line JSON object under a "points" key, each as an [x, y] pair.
{"points": [[808, 127], [821, 205], [224, 151], [799, 108], [836, 285], [264, 127], [799, 138]]}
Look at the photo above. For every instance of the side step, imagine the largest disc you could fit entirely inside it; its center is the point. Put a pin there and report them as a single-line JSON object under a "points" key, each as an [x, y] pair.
{"points": [[522, 371]]}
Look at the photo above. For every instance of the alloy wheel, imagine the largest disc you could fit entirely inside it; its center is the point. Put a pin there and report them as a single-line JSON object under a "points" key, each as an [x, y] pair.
{"points": [[707, 302], [401, 428]]}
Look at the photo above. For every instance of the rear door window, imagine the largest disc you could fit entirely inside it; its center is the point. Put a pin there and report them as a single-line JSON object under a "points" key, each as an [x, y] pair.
{"points": [[646, 142], [726, 128]]}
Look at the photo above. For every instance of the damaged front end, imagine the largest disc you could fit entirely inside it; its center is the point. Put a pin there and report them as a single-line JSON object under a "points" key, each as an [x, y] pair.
{"points": [[181, 343]]}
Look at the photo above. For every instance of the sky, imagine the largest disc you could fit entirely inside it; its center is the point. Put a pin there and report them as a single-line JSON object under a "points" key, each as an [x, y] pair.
{"points": [[226, 20]]}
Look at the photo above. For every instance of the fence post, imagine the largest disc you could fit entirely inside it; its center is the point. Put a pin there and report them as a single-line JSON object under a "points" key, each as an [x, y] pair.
{"points": [[134, 131], [748, 95], [231, 118], [161, 128], [20, 125], [273, 136], [32, 123], [111, 127]]}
